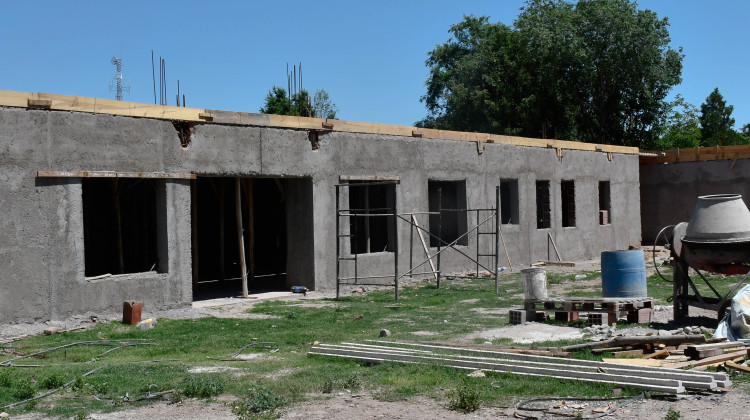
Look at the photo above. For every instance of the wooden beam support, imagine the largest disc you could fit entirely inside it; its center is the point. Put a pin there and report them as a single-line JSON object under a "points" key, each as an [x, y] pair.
{"points": [[111, 174], [139, 110], [240, 237]]}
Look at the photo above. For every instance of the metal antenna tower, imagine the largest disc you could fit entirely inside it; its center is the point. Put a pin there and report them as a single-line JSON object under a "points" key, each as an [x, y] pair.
{"points": [[117, 81]]}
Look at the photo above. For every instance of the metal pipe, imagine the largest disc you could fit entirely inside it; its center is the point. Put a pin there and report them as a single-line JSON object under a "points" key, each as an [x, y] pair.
{"points": [[497, 239]]}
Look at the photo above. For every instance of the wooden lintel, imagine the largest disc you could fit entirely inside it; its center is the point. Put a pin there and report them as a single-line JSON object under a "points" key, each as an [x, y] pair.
{"points": [[111, 174], [368, 178]]}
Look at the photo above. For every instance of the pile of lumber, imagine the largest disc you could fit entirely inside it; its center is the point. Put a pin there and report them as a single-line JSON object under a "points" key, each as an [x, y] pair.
{"points": [[677, 351], [639, 377]]}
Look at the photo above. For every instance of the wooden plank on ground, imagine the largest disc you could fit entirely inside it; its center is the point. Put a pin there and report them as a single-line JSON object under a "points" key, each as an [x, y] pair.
{"points": [[657, 354], [710, 360], [736, 366], [640, 362]]}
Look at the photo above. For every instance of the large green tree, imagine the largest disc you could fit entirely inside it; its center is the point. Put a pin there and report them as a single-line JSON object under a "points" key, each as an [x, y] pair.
{"points": [[596, 70], [717, 122]]}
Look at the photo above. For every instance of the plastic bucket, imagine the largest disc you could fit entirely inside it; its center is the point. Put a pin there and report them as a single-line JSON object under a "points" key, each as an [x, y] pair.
{"points": [[623, 274], [535, 283]]}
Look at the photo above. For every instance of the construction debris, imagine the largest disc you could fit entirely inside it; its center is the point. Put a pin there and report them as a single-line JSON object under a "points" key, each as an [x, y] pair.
{"points": [[654, 379]]}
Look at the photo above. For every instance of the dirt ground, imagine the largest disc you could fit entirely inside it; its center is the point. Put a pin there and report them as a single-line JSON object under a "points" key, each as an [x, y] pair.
{"points": [[362, 405]]}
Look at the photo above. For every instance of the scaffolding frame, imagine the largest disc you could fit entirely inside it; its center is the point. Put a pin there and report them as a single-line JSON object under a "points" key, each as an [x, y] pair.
{"points": [[492, 221]]}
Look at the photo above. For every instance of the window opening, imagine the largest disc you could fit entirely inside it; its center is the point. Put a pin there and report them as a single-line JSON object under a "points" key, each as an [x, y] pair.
{"points": [[542, 205], [509, 201], [120, 226], [605, 212], [371, 233], [568, 195], [449, 198]]}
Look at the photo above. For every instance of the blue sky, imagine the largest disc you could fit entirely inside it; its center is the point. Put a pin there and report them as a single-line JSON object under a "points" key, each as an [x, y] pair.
{"points": [[368, 55]]}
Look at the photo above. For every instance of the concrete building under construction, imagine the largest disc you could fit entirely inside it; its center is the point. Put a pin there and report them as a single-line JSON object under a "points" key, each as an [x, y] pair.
{"points": [[105, 201]]}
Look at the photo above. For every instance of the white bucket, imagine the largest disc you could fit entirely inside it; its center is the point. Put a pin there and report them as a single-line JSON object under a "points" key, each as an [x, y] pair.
{"points": [[535, 283]]}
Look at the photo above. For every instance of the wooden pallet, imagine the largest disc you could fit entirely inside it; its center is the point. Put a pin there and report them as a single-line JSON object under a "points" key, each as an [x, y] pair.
{"points": [[599, 310], [585, 304]]}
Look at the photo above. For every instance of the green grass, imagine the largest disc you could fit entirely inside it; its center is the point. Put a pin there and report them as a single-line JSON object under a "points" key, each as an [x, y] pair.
{"points": [[662, 290], [282, 368]]}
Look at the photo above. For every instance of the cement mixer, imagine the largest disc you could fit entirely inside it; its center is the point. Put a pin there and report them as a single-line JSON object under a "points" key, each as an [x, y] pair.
{"points": [[716, 240]]}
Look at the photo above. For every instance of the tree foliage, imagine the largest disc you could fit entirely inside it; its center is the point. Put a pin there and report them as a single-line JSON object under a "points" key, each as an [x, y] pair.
{"points": [[682, 128], [717, 122], [322, 105], [596, 70], [278, 102]]}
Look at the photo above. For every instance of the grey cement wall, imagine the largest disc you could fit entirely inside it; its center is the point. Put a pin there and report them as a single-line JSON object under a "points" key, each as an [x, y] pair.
{"points": [[41, 239], [669, 191]]}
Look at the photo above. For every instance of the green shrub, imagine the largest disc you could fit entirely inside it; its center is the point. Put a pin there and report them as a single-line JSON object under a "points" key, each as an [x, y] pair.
{"points": [[24, 390], [673, 414], [465, 399], [202, 386], [5, 380], [259, 401], [51, 382]]}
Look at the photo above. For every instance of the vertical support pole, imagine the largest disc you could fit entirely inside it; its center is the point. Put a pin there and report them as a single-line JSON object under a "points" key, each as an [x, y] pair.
{"points": [[497, 239], [222, 196], [355, 239], [440, 232], [411, 250], [680, 289], [395, 240], [338, 244], [194, 229], [367, 219], [476, 213], [240, 238], [250, 229]]}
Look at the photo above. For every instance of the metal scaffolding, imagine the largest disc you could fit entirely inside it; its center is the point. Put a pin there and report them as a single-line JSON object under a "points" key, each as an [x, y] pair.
{"points": [[487, 225]]}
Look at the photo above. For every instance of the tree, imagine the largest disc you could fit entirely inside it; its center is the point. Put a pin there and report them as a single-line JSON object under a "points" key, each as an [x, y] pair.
{"points": [[682, 128], [322, 105], [277, 102], [717, 122], [300, 104], [596, 70]]}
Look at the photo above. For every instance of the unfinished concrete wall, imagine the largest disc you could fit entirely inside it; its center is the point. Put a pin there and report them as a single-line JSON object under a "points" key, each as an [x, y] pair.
{"points": [[669, 191], [42, 246]]}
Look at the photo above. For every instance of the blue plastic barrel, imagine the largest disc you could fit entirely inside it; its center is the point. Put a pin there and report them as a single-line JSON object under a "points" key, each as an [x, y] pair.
{"points": [[623, 274]]}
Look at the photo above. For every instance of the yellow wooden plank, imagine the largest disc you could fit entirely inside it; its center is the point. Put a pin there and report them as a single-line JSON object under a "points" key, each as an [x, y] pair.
{"points": [[132, 109], [640, 362]]}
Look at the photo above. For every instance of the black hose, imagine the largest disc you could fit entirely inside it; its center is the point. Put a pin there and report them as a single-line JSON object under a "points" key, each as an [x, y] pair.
{"points": [[653, 252]]}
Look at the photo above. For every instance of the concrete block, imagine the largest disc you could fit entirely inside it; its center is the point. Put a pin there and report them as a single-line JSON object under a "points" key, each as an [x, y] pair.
{"points": [[640, 316]]}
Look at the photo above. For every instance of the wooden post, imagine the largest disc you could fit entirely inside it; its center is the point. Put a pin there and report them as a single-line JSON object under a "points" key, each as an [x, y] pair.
{"points": [[424, 246], [240, 238]]}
